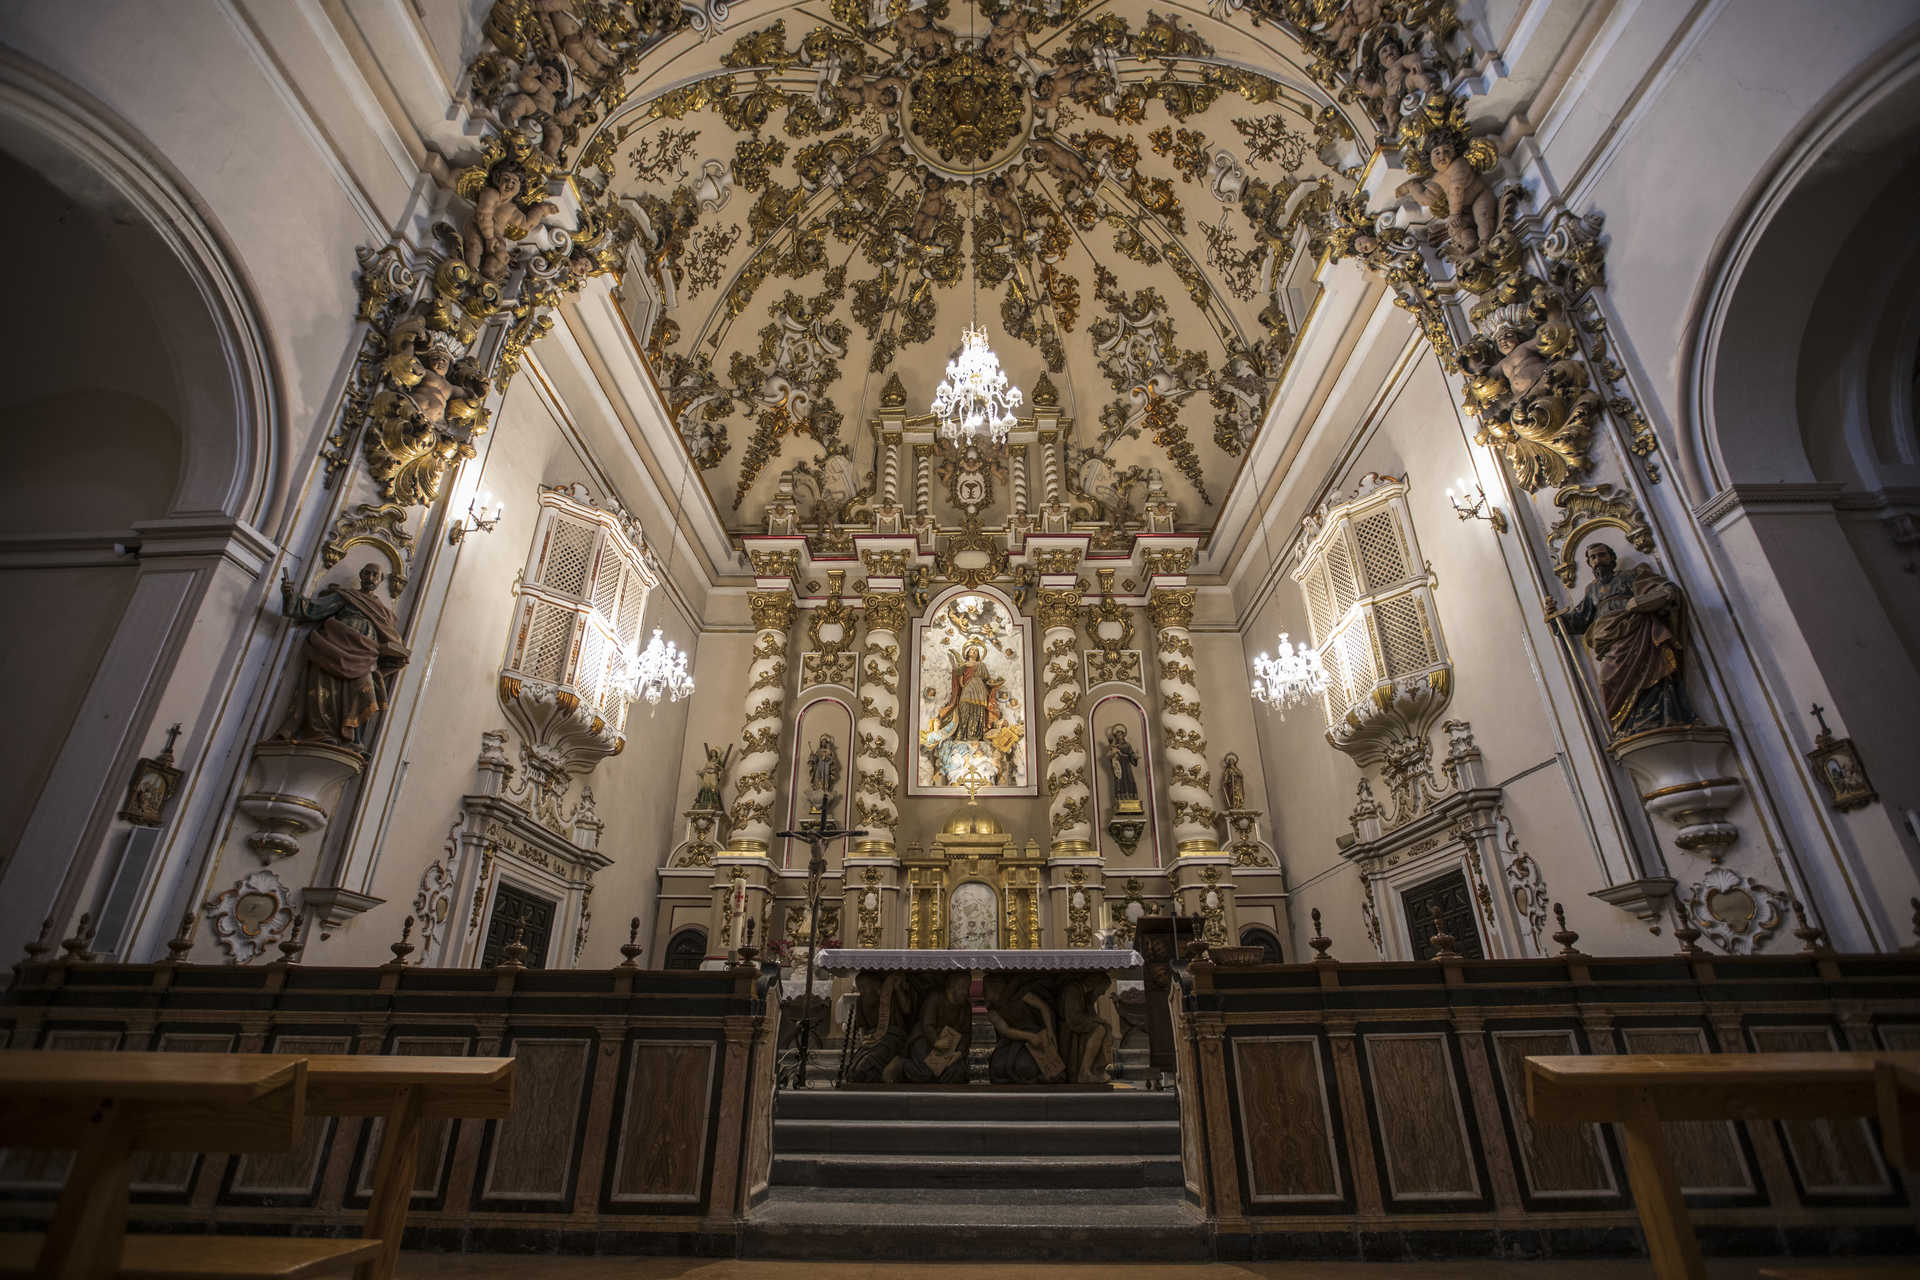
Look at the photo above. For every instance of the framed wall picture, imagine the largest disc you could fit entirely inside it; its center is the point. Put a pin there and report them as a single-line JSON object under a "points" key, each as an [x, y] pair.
{"points": [[1837, 765], [153, 783]]}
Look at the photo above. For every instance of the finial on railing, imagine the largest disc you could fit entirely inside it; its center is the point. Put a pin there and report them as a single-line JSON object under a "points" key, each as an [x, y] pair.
{"points": [[76, 946], [403, 948], [513, 955], [1320, 942], [293, 944], [747, 951], [1688, 935], [182, 940], [38, 949], [1442, 940], [631, 948], [1564, 936], [1812, 936], [1915, 944]]}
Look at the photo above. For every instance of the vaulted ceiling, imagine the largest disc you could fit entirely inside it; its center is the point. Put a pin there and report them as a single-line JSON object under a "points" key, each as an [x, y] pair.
{"points": [[829, 192]]}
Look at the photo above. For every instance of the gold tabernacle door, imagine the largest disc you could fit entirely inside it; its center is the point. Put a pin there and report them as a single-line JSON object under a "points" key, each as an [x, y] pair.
{"points": [[974, 887]]}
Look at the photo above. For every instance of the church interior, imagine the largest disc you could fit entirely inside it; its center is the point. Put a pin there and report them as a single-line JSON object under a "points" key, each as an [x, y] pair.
{"points": [[1189, 637]]}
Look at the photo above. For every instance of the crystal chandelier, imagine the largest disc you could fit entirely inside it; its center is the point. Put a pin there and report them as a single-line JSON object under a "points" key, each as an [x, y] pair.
{"points": [[1294, 677], [975, 399], [659, 671]]}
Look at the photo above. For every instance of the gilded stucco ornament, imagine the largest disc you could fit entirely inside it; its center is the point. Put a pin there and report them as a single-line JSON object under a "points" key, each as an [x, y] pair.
{"points": [[772, 610], [1586, 510]]}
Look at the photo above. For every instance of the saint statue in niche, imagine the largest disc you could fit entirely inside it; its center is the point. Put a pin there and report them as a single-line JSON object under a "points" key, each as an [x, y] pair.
{"points": [[1632, 622], [970, 716], [708, 796], [823, 766], [353, 655], [1233, 783], [971, 706], [1121, 760]]}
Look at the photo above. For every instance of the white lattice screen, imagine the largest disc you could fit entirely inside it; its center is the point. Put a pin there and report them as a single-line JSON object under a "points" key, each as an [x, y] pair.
{"points": [[582, 599], [1368, 596]]}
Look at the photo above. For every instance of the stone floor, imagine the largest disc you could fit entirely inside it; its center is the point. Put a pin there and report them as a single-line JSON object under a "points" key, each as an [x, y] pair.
{"points": [[427, 1266]]}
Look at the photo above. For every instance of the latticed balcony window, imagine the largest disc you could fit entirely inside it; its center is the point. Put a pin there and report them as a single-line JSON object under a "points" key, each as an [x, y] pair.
{"points": [[577, 626], [1369, 597]]}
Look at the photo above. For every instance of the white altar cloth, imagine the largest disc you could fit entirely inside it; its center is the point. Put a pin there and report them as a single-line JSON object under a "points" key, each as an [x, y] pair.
{"points": [[859, 959]]}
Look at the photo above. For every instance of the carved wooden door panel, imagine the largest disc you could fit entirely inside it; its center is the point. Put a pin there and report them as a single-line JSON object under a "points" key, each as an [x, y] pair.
{"points": [[1456, 913], [530, 914]]}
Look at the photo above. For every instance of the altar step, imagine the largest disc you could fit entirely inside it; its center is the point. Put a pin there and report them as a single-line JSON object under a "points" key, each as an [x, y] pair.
{"points": [[1010, 1225], [976, 1136]]}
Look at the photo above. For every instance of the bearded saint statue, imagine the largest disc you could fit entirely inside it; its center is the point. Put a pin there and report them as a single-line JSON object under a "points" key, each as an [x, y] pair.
{"points": [[972, 704], [1631, 620], [353, 655]]}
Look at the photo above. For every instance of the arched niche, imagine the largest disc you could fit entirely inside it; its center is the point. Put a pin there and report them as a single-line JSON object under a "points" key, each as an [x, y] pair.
{"points": [[686, 949], [819, 715], [941, 638], [1125, 711]]}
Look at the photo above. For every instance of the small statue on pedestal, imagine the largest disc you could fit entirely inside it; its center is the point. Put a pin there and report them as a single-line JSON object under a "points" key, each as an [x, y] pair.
{"points": [[711, 774], [1233, 783], [1121, 759]]}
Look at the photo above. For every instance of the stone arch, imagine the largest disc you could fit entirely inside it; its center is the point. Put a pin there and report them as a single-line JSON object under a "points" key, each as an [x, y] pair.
{"points": [[224, 394]]}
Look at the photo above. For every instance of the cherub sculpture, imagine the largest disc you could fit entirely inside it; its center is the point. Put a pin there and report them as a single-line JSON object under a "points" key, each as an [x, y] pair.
{"points": [[1458, 193], [573, 37], [427, 416], [1387, 78], [919, 36], [500, 221], [542, 93]]}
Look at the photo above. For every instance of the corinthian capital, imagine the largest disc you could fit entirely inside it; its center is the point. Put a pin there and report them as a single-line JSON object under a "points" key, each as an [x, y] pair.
{"points": [[772, 610], [1058, 607], [1171, 608], [886, 611]]}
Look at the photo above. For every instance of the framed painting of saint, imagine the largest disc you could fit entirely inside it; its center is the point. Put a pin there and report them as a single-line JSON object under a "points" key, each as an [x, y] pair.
{"points": [[973, 690]]}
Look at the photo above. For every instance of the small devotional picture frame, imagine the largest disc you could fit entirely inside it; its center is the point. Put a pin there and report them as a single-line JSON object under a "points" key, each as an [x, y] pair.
{"points": [[153, 783], [1837, 764]]}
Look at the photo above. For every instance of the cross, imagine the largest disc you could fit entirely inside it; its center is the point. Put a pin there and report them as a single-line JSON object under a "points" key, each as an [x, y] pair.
{"points": [[1819, 714], [823, 829], [172, 734]]}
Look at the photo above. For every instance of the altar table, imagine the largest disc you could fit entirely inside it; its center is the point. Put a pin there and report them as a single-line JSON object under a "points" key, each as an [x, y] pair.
{"points": [[912, 1018]]}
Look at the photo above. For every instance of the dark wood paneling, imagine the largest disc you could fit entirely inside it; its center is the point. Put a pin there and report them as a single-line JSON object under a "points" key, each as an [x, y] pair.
{"points": [[169, 1174], [663, 1121], [1285, 1119], [1569, 1161], [532, 1153], [1424, 1143], [429, 1180]]}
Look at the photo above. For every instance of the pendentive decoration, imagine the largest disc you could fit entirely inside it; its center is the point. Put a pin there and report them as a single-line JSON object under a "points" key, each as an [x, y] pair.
{"points": [[975, 401]]}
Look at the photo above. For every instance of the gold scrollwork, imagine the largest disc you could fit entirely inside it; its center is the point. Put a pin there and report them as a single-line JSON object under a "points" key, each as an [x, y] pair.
{"points": [[1057, 608], [1171, 609], [1057, 560], [774, 564], [886, 610], [974, 544], [1168, 561], [1585, 509], [772, 610]]}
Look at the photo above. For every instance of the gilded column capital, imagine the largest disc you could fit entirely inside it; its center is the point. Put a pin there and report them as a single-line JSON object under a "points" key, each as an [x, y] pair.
{"points": [[1171, 607], [886, 611], [774, 564], [773, 610], [1168, 561], [1058, 607]]}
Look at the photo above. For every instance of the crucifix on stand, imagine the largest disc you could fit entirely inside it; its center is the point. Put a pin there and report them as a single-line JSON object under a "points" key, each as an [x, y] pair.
{"points": [[823, 829]]}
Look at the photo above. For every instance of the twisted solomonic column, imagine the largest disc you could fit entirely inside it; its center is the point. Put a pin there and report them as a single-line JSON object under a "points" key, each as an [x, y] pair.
{"points": [[1189, 786], [766, 707], [1070, 803], [876, 768]]}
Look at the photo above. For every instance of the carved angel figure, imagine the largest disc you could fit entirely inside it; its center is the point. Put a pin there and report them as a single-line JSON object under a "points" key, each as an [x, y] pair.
{"points": [[432, 409], [500, 221], [542, 93], [1457, 192], [1387, 78], [711, 773], [573, 37]]}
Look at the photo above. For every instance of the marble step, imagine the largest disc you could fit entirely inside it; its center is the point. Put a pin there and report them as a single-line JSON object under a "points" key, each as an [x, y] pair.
{"points": [[1014, 1225], [977, 1103], [976, 1137], [976, 1172]]}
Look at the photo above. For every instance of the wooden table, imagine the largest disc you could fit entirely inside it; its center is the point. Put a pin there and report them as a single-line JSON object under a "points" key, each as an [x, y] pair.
{"points": [[1638, 1091], [406, 1091], [106, 1106]]}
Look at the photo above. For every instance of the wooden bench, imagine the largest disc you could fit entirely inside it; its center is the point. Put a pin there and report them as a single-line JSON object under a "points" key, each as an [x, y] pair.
{"points": [[107, 1106], [232, 1103], [406, 1091], [199, 1257], [1639, 1091]]}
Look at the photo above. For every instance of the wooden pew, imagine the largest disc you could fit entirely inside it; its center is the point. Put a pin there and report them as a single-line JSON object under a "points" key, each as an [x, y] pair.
{"points": [[107, 1106], [1639, 1091]]}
